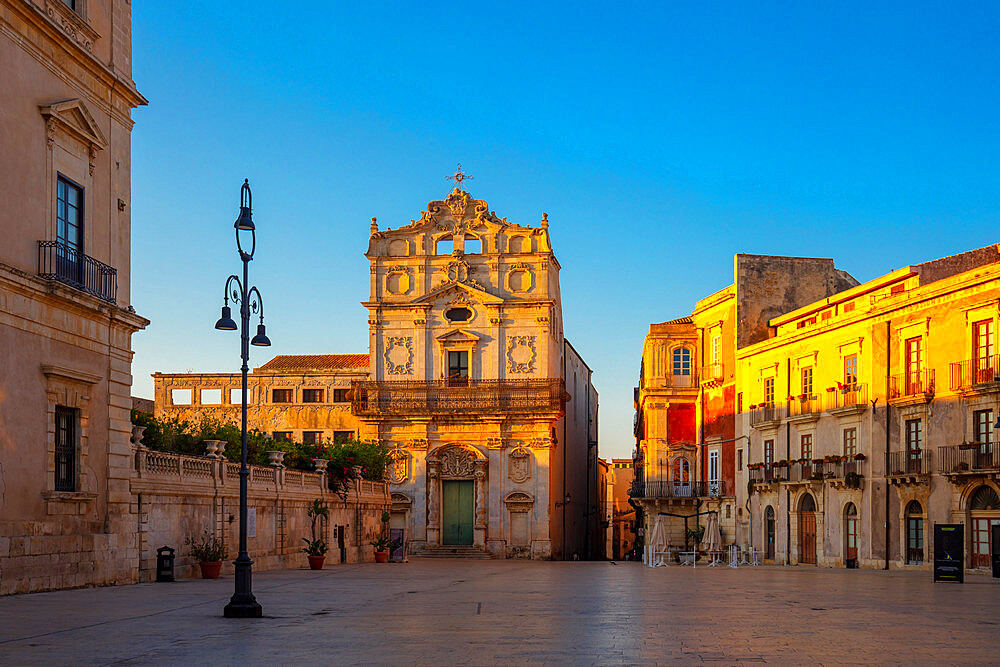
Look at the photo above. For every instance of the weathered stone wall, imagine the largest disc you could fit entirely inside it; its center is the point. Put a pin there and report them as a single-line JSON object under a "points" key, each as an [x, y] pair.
{"points": [[176, 497]]}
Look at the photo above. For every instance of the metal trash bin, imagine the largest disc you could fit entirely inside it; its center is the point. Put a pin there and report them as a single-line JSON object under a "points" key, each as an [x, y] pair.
{"points": [[165, 564]]}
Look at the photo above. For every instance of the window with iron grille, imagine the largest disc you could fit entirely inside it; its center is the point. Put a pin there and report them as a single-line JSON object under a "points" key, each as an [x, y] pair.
{"points": [[850, 441], [282, 395], [340, 395], [340, 437], [66, 446], [312, 437], [312, 395]]}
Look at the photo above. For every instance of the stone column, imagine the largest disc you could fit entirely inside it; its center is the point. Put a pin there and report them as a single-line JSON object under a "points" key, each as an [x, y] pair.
{"points": [[433, 512], [481, 511]]}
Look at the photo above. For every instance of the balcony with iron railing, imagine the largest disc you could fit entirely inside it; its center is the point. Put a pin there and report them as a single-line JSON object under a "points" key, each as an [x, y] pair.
{"points": [[912, 387], [909, 463], [712, 374], [969, 458], [766, 415], [65, 264], [804, 407], [768, 473], [846, 398], [448, 396], [976, 375], [672, 489]]}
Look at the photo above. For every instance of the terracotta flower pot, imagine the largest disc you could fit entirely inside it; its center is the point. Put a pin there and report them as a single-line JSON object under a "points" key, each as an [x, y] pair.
{"points": [[210, 569], [381, 556], [316, 562]]}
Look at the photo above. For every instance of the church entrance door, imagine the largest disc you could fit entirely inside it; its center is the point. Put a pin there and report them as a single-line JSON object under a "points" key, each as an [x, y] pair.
{"points": [[458, 496]]}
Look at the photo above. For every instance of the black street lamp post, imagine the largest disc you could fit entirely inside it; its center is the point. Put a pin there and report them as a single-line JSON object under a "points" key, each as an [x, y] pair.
{"points": [[243, 604]]}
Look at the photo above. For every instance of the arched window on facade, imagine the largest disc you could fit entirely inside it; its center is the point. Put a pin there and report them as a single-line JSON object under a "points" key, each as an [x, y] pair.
{"points": [[769, 533], [681, 361], [444, 246], [914, 533]]}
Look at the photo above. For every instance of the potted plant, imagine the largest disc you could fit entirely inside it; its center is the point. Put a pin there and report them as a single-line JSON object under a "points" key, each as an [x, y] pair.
{"points": [[316, 548], [961, 466], [209, 552], [859, 457], [383, 546]]}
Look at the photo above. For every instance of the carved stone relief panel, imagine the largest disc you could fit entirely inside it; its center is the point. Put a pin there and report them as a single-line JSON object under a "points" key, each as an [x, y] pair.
{"points": [[397, 280], [457, 462], [521, 354], [399, 355], [519, 464], [398, 468], [520, 278]]}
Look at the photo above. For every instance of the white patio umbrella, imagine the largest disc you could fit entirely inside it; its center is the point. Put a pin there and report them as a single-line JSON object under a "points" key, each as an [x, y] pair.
{"points": [[658, 542], [712, 539]]}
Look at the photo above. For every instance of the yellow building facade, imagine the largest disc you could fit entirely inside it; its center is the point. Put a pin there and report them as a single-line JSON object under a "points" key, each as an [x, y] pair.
{"points": [[870, 416]]}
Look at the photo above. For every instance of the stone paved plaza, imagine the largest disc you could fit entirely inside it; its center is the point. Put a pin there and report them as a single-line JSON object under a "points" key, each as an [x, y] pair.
{"points": [[495, 612]]}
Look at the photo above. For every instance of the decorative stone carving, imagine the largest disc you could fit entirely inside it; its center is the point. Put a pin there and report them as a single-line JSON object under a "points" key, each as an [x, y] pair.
{"points": [[519, 464], [518, 501], [418, 443], [542, 443], [398, 468], [399, 355], [457, 462], [397, 280], [481, 491], [521, 354], [494, 443], [71, 23]]}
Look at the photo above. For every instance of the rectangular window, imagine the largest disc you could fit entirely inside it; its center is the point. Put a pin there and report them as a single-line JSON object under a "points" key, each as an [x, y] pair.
{"points": [[739, 459], [716, 348], [850, 441], [211, 396], [340, 437], [312, 395], [982, 347], [312, 437], [848, 307], [69, 214], [70, 3], [769, 391], [180, 396], [739, 402], [827, 314], [769, 452], [807, 381], [897, 289], [340, 395], [982, 424], [851, 372], [806, 440], [66, 441], [914, 436], [458, 367], [914, 359], [713, 466], [282, 436], [282, 395], [236, 395]]}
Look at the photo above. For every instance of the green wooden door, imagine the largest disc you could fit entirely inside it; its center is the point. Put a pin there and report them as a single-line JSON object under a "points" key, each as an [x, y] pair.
{"points": [[458, 500]]}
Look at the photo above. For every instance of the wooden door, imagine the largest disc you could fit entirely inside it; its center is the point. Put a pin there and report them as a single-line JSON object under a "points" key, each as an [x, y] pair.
{"points": [[457, 510], [807, 537], [851, 537], [981, 541], [769, 529]]}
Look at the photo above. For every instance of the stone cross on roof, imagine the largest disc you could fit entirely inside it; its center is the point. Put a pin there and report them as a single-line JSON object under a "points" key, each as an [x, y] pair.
{"points": [[459, 176]]}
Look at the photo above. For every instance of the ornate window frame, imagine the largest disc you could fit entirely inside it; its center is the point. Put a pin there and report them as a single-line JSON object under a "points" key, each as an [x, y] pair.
{"points": [[69, 388]]}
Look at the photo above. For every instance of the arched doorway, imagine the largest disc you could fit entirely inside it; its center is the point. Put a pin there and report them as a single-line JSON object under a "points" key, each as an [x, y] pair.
{"points": [[769, 531], [914, 533], [851, 535], [984, 510], [807, 530]]}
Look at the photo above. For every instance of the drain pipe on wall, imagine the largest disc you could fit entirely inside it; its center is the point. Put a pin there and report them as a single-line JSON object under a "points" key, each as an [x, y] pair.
{"points": [[788, 455], [888, 362]]}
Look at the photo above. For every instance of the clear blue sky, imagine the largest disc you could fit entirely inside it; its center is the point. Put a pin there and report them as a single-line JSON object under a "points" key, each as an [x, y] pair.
{"points": [[661, 139]]}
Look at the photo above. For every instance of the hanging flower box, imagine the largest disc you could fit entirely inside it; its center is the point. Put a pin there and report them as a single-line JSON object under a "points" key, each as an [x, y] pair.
{"points": [[831, 389], [859, 457], [803, 397], [819, 461], [970, 445]]}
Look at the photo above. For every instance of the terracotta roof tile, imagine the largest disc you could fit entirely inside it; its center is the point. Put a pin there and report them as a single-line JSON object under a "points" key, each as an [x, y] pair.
{"points": [[315, 362]]}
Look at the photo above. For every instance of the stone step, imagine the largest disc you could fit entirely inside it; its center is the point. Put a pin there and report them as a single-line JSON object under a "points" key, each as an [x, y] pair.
{"points": [[469, 553]]}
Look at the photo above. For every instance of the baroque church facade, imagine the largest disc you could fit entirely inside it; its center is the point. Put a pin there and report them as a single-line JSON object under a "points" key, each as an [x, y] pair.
{"points": [[489, 413]]}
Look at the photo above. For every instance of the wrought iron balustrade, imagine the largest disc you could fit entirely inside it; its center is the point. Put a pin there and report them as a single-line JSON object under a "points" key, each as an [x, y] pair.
{"points": [[671, 489], [369, 398], [910, 462], [975, 372], [64, 263], [712, 373], [972, 457], [769, 473], [912, 384], [766, 413], [849, 396], [805, 405]]}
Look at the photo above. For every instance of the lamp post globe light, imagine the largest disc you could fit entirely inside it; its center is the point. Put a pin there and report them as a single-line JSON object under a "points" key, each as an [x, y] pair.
{"points": [[243, 604]]}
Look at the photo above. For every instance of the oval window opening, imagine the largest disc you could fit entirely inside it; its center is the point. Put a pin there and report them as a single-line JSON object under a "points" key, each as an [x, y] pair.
{"points": [[458, 314]]}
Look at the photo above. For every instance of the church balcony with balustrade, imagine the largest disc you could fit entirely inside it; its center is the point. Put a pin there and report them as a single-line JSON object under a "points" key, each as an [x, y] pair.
{"points": [[465, 396]]}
